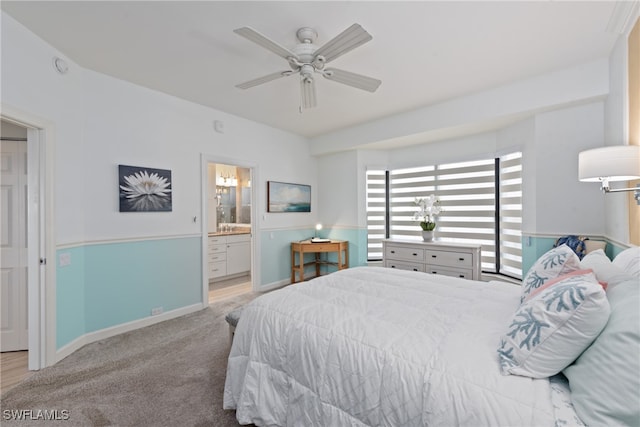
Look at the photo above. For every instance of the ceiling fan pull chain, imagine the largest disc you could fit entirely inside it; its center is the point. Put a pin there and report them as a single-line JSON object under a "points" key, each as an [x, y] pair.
{"points": [[300, 103]]}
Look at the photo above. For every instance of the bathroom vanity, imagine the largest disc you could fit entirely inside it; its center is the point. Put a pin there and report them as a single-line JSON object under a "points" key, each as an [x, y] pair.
{"points": [[229, 254]]}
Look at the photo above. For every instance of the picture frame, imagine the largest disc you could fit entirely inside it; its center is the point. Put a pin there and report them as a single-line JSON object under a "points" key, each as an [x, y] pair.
{"points": [[288, 197], [142, 189]]}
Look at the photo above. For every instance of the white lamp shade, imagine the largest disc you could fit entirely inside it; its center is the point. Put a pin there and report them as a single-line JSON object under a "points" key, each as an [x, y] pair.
{"points": [[614, 163]]}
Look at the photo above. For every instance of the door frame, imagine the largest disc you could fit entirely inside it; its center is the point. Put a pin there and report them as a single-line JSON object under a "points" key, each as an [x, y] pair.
{"points": [[255, 235], [41, 256]]}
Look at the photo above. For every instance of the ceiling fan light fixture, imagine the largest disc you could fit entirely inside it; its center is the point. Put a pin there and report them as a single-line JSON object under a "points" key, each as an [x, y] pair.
{"points": [[308, 92]]}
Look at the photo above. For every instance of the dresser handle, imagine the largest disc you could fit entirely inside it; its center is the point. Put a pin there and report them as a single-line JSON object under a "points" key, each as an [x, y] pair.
{"points": [[415, 269], [415, 254], [460, 259], [393, 266], [434, 256], [462, 275], [393, 252]]}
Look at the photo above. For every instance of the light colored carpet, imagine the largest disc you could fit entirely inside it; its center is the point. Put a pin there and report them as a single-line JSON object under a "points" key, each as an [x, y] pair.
{"points": [[168, 374]]}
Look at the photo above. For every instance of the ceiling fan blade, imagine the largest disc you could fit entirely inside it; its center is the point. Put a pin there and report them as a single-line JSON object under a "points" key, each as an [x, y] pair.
{"points": [[256, 37], [308, 91], [352, 79], [264, 79], [347, 40]]}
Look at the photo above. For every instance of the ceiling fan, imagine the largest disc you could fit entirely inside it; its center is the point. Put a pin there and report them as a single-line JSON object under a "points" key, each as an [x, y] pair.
{"points": [[307, 59]]}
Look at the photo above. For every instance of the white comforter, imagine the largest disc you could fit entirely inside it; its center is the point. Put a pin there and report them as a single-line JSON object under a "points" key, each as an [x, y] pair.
{"points": [[380, 347]]}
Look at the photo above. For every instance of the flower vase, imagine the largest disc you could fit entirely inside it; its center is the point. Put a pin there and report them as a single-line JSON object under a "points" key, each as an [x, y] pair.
{"points": [[427, 235]]}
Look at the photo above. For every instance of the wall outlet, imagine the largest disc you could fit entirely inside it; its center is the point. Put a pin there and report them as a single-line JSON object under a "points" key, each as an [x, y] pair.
{"points": [[64, 259], [156, 311]]}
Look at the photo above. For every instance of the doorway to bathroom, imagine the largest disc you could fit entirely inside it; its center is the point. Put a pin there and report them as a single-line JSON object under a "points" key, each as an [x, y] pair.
{"points": [[229, 224]]}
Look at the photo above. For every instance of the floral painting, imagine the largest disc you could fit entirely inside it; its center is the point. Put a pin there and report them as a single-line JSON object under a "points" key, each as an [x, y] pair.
{"points": [[144, 189]]}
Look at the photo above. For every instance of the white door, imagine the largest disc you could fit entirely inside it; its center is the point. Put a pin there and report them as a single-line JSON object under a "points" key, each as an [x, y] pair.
{"points": [[13, 236]]}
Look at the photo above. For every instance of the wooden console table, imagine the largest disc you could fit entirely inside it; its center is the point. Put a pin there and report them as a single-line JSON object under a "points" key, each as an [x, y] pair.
{"points": [[306, 246]]}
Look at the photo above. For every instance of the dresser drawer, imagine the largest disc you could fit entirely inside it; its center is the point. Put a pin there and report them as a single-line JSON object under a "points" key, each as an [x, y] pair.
{"points": [[404, 253], [444, 271], [399, 265], [450, 259]]}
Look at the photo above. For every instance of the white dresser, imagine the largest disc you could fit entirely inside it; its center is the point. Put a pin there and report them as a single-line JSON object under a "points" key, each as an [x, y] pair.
{"points": [[229, 255], [449, 259]]}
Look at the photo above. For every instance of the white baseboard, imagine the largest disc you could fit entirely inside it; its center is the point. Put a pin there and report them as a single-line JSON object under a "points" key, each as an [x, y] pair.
{"points": [[274, 285], [85, 339]]}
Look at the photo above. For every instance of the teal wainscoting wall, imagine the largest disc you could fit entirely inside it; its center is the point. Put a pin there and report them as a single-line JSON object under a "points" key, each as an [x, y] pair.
{"points": [[357, 239], [70, 297], [275, 251], [125, 281], [613, 249], [533, 248]]}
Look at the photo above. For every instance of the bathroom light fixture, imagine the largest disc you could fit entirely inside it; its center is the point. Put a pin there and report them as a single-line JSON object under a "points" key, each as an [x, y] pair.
{"points": [[226, 180], [608, 164]]}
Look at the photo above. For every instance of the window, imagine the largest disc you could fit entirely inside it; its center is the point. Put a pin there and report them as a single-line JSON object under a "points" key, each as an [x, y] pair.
{"points": [[510, 215], [376, 212], [481, 202]]}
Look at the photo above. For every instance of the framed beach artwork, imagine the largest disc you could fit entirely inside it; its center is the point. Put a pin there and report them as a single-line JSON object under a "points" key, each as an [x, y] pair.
{"points": [[144, 189], [286, 197]]}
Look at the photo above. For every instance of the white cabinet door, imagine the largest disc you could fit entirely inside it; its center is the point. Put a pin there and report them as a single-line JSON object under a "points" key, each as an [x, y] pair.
{"points": [[238, 257]]}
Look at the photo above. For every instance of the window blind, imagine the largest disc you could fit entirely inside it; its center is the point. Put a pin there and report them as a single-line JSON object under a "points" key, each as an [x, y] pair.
{"points": [[510, 171], [376, 212]]}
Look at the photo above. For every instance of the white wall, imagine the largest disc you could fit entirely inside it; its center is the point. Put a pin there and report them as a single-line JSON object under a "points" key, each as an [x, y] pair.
{"points": [[101, 122], [128, 124], [466, 148], [338, 194], [30, 85], [565, 205], [582, 83]]}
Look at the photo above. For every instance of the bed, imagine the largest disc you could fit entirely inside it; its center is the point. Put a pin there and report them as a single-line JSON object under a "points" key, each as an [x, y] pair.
{"points": [[381, 347]]}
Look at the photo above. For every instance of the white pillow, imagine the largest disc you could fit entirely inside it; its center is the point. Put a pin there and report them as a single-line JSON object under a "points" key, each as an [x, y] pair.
{"points": [[603, 268], [605, 379], [629, 261], [554, 263], [554, 325]]}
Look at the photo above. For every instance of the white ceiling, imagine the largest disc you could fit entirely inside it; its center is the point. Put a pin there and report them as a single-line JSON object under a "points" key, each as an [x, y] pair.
{"points": [[423, 51]]}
